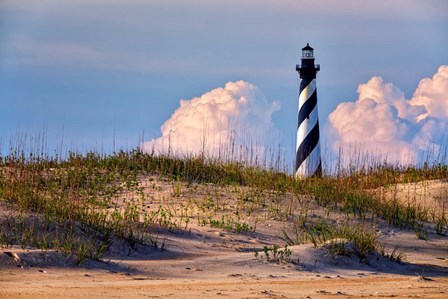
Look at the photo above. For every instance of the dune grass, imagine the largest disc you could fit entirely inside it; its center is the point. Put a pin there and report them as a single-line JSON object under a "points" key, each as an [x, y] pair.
{"points": [[85, 203]]}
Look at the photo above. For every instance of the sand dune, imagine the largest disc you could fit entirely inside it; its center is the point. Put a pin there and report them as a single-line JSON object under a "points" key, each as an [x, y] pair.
{"points": [[209, 262]]}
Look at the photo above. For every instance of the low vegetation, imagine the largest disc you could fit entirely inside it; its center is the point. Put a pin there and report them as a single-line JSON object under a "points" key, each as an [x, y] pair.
{"points": [[86, 203]]}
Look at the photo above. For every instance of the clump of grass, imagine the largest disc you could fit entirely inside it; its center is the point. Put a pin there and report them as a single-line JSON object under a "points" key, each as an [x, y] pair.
{"points": [[441, 223], [229, 223], [320, 231], [395, 255], [274, 254]]}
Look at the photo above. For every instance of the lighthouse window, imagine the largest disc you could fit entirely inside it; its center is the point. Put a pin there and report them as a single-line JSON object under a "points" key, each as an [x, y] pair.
{"points": [[307, 54]]}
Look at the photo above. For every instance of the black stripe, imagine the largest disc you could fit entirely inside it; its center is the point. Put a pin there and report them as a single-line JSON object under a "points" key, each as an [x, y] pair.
{"points": [[307, 108], [305, 82], [318, 171], [307, 145]]}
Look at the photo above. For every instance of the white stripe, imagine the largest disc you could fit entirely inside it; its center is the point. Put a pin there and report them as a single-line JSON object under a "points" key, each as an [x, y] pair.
{"points": [[306, 93], [310, 165], [306, 126]]}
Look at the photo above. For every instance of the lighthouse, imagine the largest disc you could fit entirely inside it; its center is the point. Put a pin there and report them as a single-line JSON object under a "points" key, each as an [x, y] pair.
{"points": [[308, 160]]}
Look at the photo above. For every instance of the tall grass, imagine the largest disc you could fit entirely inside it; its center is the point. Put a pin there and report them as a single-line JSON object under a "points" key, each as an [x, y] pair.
{"points": [[78, 204]]}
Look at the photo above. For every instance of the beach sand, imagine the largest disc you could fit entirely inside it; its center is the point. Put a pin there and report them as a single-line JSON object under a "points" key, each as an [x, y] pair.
{"points": [[206, 262]]}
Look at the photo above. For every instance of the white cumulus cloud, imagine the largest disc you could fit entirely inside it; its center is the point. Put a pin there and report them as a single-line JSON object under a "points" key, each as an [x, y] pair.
{"points": [[387, 125], [220, 123]]}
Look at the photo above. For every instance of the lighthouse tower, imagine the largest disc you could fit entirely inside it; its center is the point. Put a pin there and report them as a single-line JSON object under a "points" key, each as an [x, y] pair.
{"points": [[308, 161]]}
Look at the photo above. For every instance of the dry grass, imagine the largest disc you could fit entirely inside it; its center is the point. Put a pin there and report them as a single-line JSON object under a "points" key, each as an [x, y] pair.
{"points": [[84, 204]]}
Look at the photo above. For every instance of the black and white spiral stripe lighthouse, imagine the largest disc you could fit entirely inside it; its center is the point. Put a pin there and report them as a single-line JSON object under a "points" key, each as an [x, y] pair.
{"points": [[308, 160]]}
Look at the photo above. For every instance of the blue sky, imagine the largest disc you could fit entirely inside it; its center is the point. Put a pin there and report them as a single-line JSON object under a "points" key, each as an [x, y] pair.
{"points": [[89, 73]]}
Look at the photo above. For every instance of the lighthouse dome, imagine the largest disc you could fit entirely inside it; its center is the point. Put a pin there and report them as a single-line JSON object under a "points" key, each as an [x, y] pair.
{"points": [[307, 48]]}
